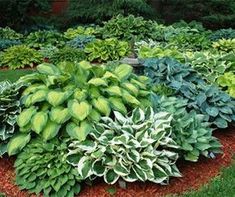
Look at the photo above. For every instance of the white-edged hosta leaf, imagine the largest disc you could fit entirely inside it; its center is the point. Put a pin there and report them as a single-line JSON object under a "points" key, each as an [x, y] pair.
{"points": [[87, 145], [51, 130], [79, 110], [139, 173], [98, 168], [138, 115], [120, 118], [120, 169], [17, 143], [25, 116], [59, 115], [133, 155], [131, 177], [84, 167], [39, 121], [110, 177]]}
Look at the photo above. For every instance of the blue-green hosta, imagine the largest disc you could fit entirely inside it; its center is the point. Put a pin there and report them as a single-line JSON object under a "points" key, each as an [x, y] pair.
{"points": [[189, 129], [75, 95], [134, 147], [217, 106], [10, 107]]}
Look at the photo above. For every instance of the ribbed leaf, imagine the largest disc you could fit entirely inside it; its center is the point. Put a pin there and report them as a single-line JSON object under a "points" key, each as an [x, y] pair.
{"points": [[79, 110], [60, 115], [39, 121], [51, 130], [25, 117]]}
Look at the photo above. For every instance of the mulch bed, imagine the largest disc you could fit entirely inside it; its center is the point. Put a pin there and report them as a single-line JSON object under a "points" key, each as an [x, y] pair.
{"points": [[194, 176]]}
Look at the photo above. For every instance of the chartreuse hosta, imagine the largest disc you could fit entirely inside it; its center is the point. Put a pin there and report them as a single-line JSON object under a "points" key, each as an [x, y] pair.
{"points": [[135, 147], [189, 129], [72, 96]]}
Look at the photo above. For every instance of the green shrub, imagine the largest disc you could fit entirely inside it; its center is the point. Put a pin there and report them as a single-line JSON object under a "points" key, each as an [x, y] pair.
{"points": [[128, 28], [42, 167], [20, 56], [135, 147], [10, 107], [217, 106], [9, 34], [67, 54], [189, 130], [106, 50], [43, 38], [227, 81], [72, 33], [74, 96]]}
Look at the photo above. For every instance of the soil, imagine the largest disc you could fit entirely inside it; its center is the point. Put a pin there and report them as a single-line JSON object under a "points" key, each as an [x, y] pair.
{"points": [[194, 176]]}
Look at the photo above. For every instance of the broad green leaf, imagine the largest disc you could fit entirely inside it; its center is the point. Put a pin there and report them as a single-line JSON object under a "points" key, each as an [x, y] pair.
{"points": [[123, 71], [110, 76], [102, 105], [39, 121], [60, 115], [33, 88], [38, 96], [79, 110], [114, 91], [120, 169], [131, 88], [56, 98], [98, 168], [128, 98], [94, 115], [80, 95], [110, 177], [117, 104], [48, 69], [97, 82], [84, 167], [140, 173], [51, 130], [17, 143], [25, 116]]}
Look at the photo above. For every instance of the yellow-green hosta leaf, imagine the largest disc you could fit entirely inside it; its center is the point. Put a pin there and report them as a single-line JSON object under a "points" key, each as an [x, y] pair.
{"points": [[123, 71], [48, 69], [27, 100], [39, 121], [80, 95], [25, 116], [79, 132], [95, 115], [56, 98], [33, 88], [102, 105], [138, 83], [17, 143], [85, 65], [117, 105], [60, 115], [97, 82], [39, 96], [79, 110], [111, 76], [114, 91], [128, 98], [26, 128], [51, 130], [94, 92], [131, 88]]}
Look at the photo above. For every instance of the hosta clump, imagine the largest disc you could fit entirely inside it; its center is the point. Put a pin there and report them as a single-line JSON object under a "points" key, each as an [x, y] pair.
{"points": [[189, 129], [20, 56], [135, 147], [8, 33], [108, 49], [42, 167], [10, 107], [74, 96], [81, 41], [223, 33], [224, 45], [6, 43], [129, 28], [227, 81], [217, 106], [43, 37], [72, 33], [68, 54]]}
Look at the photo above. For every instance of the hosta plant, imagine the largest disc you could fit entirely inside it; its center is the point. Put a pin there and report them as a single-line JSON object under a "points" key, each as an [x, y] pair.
{"points": [[81, 41], [10, 107], [8, 33], [227, 81], [6, 43], [20, 56], [43, 38], [223, 34], [134, 147], [224, 45], [42, 167], [48, 51], [72, 33], [128, 28], [217, 106], [189, 130], [72, 96], [108, 49], [68, 54]]}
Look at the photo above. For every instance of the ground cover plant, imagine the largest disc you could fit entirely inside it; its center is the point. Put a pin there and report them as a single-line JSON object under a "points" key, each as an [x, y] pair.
{"points": [[83, 114]]}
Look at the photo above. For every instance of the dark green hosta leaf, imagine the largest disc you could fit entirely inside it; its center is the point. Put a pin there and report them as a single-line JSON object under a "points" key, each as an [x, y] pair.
{"points": [[110, 177]]}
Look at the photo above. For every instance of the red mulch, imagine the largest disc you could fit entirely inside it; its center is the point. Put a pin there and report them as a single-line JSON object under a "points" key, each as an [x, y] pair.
{"points": [[194, 176]]}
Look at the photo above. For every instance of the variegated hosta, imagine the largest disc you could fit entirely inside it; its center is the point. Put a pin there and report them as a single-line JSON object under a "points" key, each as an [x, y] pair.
{"points": [[135, 147], [189, 129], [9, 109], [72, 96]]}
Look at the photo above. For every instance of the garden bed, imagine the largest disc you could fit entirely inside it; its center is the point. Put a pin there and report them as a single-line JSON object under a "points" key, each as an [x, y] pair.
{"points": [[194, 176]]}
